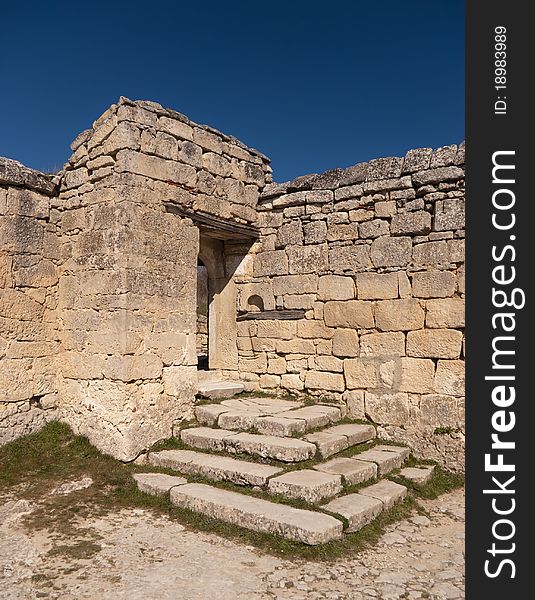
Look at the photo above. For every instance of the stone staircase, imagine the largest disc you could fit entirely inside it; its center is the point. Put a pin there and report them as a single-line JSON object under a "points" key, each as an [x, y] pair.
{"points": [[285, 451]]}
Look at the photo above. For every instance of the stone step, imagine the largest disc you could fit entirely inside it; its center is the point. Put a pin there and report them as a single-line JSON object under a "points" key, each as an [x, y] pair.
{"points": [[219, 388], [353, 471], [387, 458], [266, 446], [256, 514], [418, 475], [216, 468], [157, 484], [306, 484], [340, 437]]}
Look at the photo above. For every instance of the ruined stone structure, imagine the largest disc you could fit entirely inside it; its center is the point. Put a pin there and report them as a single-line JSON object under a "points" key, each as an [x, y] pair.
{"points": [[347, 285]]}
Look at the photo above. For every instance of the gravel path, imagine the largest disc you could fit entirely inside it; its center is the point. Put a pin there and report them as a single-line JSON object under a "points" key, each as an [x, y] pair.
{"points": [[145, 557]]}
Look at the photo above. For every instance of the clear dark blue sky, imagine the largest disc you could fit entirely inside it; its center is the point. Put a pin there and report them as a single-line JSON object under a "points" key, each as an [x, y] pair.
{"points": [[314, 85]]}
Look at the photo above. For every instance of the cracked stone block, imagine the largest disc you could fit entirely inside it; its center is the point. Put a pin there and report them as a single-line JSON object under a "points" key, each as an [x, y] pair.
{"points": [[352, 471], [157, 484], [387, 491], [359, 510], [306, 484]]}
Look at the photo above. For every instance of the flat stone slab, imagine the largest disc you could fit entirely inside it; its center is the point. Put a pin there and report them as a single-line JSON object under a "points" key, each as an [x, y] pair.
{"points": [[355, 433], [385, 461], [157, 484], [327, 443], [353, 471], [317, 415], [217, 468], [256, 514], [402, 451], [418, 475], [271, 446], [207, 414], [206, 438], [220, 389], [279, 426], [306, 484], [359, 510], [387, 491], [273, 405], [238, 420]]}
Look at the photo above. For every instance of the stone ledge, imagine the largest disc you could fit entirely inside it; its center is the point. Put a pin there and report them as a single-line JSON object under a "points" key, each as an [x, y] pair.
{"points": [[15, 173]]}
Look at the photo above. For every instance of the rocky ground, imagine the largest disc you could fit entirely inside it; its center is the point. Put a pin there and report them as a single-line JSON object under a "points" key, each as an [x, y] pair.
{"points": [[143, 556]]}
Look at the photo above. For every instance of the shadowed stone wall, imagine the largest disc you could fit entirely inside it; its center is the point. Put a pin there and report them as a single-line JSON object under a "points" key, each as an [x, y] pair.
{"points": [[29, 340], [373, 256]]}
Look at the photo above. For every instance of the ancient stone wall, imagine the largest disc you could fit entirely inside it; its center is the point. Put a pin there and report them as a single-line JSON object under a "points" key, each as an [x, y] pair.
{"points": [[128, 281], [29, 341], [370, 263]]}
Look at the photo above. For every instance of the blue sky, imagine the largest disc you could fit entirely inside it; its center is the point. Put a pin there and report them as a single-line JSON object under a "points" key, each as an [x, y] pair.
{"points": [[314, 85]]}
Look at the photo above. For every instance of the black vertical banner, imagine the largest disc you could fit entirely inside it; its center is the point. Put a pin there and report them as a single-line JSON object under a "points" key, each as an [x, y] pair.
{"points": [[500, 271]]}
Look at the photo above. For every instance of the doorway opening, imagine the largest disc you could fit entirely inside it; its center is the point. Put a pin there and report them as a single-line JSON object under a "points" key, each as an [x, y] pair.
{"points": [[203, 302]]}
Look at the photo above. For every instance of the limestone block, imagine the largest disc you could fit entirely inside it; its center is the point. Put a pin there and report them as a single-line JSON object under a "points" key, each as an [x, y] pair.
{"points": [[399, 315], [263, 344], [385, 209], [377, 286], [461, 279], [216, 164], [256, 364], [207, 140], [313, 329], [351, 314], [433, 284], [417, 160], [285, 330], [439, 410], [360, 373], [382, 344], [306, 484], [388, 492], [339, 231], [349, 258], [449, 214], [447, 313], [434, 343], [157, 484], [17, 305], [352, 471], [414, 223], [295, 284], [155, 168], [19, 233], [417, 375], [125, 135], [418, 475], [319, 380], [438, 175], [391, 252], [328, 443], [292, 382], [304, 301], [295, 346], [179, 380], [329, 363], [289, 234], [433, 254], [271, 263], [336, 287], [456, 250], [354, 400], [449, 378], [357, 509], [374, 228], [43, 274], [277, 366], [176, 128], [345, 343], [315, 232], [308, 259], [269, 381], [27, 203], [444, 156]]}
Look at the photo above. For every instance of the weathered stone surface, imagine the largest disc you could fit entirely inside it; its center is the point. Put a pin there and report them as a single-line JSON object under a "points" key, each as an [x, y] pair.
{"points": [[288, 234], [306, 484], [15, 173], [434, 343], [352, 471], [238, 420], [336, 287], [209, 413], [438, 175], [216, 468], [220, 389], [280, 426], [360, 373], [358, 509], [391, 252], [418, 475], [417, 160], [349, 258], [271, 263], [386, 491], [157, 484], [443, 314], [373, 229], [155, 167], [414, 223], [317, 415], [206, 438], [258, 515], [387, 407], [417, 375], [382, 344], [377, 286], [385, 461], [399, 315], [351, 314], [295, 284], [327, 443], [449, 214], [268, 446], [345, 343], [308, 259], [401, 451], [449, 378], [355, 433], [433, 284], [431, 254]]}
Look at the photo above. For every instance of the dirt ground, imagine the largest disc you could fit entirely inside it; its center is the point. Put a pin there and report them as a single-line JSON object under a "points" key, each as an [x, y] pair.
{"points": [[140, 555]]}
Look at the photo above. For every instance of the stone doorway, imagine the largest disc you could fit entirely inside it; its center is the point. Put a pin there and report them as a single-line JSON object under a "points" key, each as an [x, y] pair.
{"points": [[203, 301]]}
